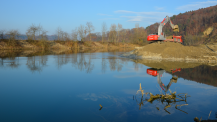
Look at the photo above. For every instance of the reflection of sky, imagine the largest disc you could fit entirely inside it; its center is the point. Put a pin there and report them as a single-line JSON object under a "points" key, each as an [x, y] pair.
{"points": [[61, 90]]}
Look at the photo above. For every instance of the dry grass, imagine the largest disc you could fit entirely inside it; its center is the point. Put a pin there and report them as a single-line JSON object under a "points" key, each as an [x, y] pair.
{"points": [[44, 44]]}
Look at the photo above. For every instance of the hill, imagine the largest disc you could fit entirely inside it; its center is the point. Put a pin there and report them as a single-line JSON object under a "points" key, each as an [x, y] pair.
{"points": [[192, 24]]}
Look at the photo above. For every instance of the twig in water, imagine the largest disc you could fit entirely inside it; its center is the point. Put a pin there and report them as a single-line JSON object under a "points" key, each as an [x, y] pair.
{"points": [[209, 114], [200, 119]]}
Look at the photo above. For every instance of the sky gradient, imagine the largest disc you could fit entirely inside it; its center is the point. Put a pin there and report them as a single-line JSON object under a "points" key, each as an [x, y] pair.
{"points": [[69, 14]]}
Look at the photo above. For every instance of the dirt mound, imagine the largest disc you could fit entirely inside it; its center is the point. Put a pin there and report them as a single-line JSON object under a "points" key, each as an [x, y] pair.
{"points": [[173, 51]]}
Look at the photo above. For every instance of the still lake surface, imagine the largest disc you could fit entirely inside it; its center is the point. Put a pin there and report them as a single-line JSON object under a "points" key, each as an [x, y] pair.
{"points": [[71, 87]]}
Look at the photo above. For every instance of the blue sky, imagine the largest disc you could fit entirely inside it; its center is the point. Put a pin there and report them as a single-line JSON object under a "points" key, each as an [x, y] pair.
{"points": [[69, 14]]}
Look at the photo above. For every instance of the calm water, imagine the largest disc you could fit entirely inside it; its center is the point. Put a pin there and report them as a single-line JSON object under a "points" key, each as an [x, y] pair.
{"points": [[72, 87]]}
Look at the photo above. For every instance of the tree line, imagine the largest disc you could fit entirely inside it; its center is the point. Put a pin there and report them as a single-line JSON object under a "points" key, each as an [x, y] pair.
{"points": [[114, 34]]}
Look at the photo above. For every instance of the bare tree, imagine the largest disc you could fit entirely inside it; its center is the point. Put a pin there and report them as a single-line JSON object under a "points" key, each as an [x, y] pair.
{"points": [[81, 32], [58, 31], [61, 34], [43, 35], [2, 34], [43, 38], [12, 36], [113, 33], [31, 32], [75, 34], [89, 28], [137, 32], [66, 36], [40, 29], [104, 29], [119, 30], [124, 33]]}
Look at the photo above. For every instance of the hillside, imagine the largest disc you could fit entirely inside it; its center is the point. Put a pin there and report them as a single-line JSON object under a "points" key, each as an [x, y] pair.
{"points": [[192, 24]]}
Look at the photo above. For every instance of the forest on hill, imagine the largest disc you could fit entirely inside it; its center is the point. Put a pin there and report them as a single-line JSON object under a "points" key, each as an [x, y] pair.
{"points": [[192, 25]]}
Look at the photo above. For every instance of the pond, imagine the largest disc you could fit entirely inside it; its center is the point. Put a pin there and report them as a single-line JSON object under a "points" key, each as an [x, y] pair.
{"points": [[102, 87]]}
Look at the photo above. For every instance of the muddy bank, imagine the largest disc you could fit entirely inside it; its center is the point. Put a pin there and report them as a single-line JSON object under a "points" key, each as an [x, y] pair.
{"points": [[174, 52]]}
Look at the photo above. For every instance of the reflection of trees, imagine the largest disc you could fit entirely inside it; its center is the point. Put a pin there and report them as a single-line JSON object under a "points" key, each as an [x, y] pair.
{"points": [[115, 64], [10, 62], [62, 60], [89, 66], [14, 64], [136, 66], [1, 62], [103, 64], [36, 63], [82, 62]]}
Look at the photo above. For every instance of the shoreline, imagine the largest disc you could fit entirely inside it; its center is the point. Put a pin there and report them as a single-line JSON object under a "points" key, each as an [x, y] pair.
{"points": [[67, 45]]}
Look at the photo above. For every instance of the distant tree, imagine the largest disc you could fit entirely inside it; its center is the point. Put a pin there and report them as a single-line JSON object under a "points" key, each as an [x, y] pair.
{"points": [[40, 29], [66, 36], [43, 38], [123, 33], [81, 32], [2, 34], [136, 33], [12, 36], [119, 31], [43, 35], [59, 33], [104, 29], [89, 28], [75, 34], [113, 33], [98, 36], [31, 32]]}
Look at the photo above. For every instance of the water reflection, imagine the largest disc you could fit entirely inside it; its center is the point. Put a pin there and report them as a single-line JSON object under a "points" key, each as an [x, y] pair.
{"points": [[166, 100], [84, 62], [10, 62], [107, 93], [201, 74], [100, 107], [104, 64], [36, 63], [159, 72]]}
